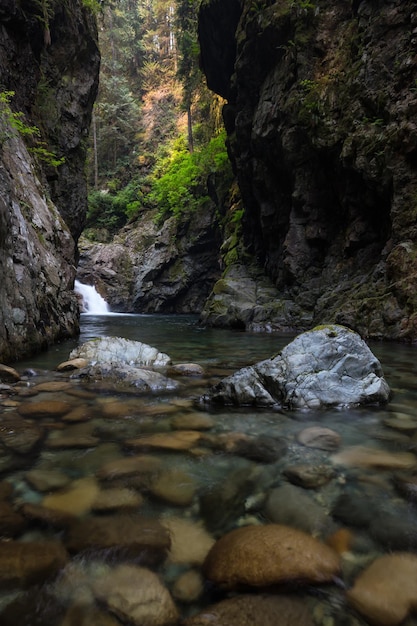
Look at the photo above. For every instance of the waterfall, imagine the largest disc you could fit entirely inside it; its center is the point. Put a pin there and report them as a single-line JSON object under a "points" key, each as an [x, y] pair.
{"points": [[92, 302]]}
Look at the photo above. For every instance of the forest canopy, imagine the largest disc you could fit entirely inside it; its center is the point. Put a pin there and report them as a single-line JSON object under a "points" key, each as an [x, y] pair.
{"points": [[157, 133]]}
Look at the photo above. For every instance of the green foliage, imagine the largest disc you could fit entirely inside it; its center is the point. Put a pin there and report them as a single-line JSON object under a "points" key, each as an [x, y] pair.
{"points": [[14, 121], [179, 180], [110, 211], [92, 5]]}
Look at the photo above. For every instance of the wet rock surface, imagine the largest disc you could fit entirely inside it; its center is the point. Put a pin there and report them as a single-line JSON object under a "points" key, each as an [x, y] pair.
{"points": [[305, 107], [43, 207], [325, 367], [269, 554], [137, 514]]}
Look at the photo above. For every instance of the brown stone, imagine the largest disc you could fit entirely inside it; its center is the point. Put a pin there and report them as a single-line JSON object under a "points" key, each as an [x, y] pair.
{"points": [[82, 615], [72, 364], [266, 555], [136, 596], [12, 523], [19, 435], [126, 536], [254, 610], [46, 516], [78, 414], [53, 386], [386, 591], [8, 374], [76, 499], [6, 490], [319, 437], [27, 563], [117, 500], [178, 440], [64, 442], [192, 421], [45, 480], [185, 369], [44, 408], [361, 456], [188, 587], [190, 541], [174, 486], [309, 476], [129, 466]]}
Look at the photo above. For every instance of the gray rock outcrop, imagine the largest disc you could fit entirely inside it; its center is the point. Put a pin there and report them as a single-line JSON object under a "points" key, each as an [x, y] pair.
{"points": [[321, 122], [329, 366], [50, 71], [151, 268], [123, 363]]}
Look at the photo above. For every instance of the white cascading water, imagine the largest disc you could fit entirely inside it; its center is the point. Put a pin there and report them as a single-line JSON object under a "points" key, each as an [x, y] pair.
{"points": [[92, 302]]}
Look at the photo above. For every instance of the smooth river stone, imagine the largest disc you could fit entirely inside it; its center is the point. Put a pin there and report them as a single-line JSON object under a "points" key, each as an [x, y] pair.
{"points": [[28, 563], [174, 486], [137, 596], [291, 506], [19, 435], [78, 414], [53, 386], [185, 369], [117, 499], [190, 541], [260, 556], [125, 536], [44, 408], [47, 517], [386, 592], [319, 437], [188, 587], [12, 523], [361, 456], [309, 476], [64, 442], [81, 615], [129, 466], [178, 440], [192, 421], [8, 374], [72, 364], [254, 610], [76, 499]]}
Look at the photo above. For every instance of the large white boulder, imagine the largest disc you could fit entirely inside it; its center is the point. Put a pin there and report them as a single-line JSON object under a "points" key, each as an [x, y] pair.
{"points": [[329, 366]]}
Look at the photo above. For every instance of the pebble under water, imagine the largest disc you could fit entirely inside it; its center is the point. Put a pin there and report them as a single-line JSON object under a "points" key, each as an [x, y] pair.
{"points": [[130, 492]]}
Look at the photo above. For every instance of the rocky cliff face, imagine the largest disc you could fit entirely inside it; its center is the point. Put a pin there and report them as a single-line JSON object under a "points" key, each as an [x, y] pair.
{"points": [[152, 269], [49, 59], [321, 117]]}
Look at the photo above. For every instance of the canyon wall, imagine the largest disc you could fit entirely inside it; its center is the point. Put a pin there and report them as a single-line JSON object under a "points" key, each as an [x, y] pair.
{"points": [[322, 126], [49, 63]]}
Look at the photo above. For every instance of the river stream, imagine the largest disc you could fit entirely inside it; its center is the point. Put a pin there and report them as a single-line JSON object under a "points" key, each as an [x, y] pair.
{"points": [[212, 487]]}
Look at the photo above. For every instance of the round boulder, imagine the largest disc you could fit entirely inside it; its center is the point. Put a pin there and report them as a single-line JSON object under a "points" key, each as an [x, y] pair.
{"points": [[386, 592], [260, 556], [251, 610], [329, 366], [137, 596]]}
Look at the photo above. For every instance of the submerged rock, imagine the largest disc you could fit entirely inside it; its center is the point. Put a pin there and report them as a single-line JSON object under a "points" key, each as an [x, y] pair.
{"points": [[329, 366], [260, 556], [117, 350], [126, 537], [137, 596], [251, 610], [28, 563], [386, 592]]}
